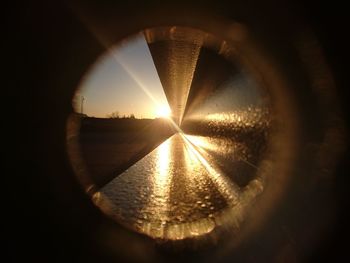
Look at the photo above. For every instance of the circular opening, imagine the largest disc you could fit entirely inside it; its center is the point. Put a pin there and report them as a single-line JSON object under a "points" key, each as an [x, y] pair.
{"points": [[177, 133]]}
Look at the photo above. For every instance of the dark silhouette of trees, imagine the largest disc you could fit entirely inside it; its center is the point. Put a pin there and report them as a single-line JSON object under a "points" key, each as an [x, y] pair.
{"points": [[116, 115]]}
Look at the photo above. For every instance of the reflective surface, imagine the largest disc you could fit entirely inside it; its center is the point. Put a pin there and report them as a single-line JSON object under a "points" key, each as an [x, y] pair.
{"points": [[175, 53], [307, 221], [176, 191], [207, 175]]}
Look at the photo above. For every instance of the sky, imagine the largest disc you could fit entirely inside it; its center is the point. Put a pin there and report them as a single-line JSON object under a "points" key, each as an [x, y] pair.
{"points": [[125, 80]]}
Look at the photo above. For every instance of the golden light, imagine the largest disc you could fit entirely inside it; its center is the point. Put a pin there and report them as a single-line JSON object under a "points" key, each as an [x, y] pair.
{"points": [[163, 111]]}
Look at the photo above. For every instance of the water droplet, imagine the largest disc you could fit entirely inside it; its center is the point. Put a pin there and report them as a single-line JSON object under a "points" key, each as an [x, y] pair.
{"points": [[180, 218]]}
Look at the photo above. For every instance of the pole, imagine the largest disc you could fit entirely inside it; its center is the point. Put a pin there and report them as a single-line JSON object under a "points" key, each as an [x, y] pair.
{"points": [[82, 105]]}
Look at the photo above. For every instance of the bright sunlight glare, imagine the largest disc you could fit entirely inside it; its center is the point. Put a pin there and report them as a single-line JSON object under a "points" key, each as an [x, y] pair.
{"points": [[163, 111]]}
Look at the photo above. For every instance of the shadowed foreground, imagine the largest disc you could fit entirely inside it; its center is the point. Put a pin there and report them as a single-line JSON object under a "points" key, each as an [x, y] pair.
{"points": [[109, 146]]}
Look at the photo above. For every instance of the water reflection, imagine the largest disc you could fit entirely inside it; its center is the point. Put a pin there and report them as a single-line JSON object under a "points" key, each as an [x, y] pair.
{"points": [[208, 173], [177, 191]]}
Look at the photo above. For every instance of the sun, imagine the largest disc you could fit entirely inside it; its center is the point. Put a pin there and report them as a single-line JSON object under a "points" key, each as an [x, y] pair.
{"points": [[163, 111]]}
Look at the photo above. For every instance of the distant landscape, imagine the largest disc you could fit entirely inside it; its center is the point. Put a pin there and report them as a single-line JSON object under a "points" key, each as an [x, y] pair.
{"points": [[109, 146]]}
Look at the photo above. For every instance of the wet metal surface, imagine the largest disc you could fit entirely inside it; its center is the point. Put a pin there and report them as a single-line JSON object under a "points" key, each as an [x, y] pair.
{"points": [[241, 155], [175, 192], [175, 53], [207, 174]]}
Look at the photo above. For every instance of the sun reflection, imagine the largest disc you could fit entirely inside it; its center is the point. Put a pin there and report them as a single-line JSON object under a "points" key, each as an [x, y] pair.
{"points": [[227, 188], [181, 189], [251, 117], [226, 148], [175, 209], [155, 211], [162, 177], [176, 192], [163, 153], [176, 62]]}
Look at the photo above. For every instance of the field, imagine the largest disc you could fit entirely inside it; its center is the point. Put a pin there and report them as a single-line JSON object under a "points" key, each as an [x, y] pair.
{"points": [[107, 147]]}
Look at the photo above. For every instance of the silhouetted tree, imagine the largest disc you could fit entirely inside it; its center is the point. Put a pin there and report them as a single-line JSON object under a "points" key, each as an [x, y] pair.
{"points": [[114, 115]]}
